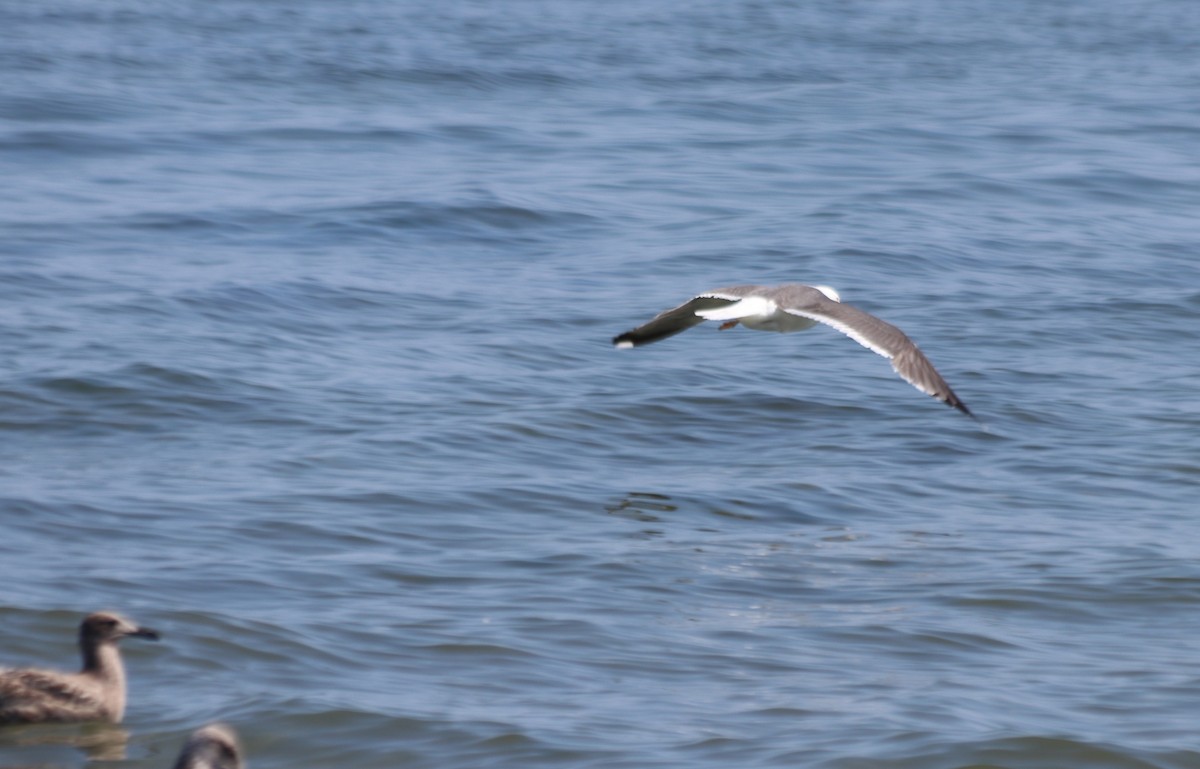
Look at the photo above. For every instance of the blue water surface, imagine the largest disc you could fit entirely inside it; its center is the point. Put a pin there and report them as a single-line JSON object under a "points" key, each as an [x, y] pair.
{"points": [[305, 322]]}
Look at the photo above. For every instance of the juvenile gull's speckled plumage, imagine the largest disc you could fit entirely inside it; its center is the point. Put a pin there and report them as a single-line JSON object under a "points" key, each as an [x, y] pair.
{"points": [[795, 307], [96, 693], [214, 746]]}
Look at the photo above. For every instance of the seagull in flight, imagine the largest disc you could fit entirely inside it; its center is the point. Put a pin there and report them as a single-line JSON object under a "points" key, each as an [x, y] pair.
{"points": [[795, 307]]}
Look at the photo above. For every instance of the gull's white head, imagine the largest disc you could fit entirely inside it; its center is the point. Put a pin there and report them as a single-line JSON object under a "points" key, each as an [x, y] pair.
{"points": [[830, 292]]}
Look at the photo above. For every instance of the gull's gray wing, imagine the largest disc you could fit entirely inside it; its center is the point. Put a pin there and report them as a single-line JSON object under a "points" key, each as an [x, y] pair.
{"points": [[877, 335], [683, 317]]}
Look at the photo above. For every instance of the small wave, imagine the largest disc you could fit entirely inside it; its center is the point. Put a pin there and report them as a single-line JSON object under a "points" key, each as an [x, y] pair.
{"points": [[72, 143], [1034, 752], [488, 220], [442, 76], [74, 107], [139, 397]]}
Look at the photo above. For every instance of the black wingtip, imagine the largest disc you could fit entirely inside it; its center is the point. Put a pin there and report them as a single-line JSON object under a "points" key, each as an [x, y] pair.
{"points": [[956, 403]]}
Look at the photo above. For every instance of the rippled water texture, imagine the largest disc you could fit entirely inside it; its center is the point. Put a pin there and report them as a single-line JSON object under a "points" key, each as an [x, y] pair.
{"points": [[305, 311]]}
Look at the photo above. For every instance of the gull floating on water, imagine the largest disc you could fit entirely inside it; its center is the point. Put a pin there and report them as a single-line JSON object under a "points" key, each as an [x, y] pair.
{"points": [[795, 307], [97, 693], [214, 746]]}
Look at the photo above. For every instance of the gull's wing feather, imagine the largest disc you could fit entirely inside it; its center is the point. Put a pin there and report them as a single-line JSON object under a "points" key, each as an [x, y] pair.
{"points": [[33, 696], [683, 317], [883, 338]]}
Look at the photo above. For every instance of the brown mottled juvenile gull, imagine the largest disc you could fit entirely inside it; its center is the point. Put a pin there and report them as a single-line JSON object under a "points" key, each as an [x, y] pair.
{"points": [[214, 746], [96, 693], [795, 307]]}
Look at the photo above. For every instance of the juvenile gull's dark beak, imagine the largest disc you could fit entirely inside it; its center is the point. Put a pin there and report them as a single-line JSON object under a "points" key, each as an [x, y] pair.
{"points": [[145, 632]]}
